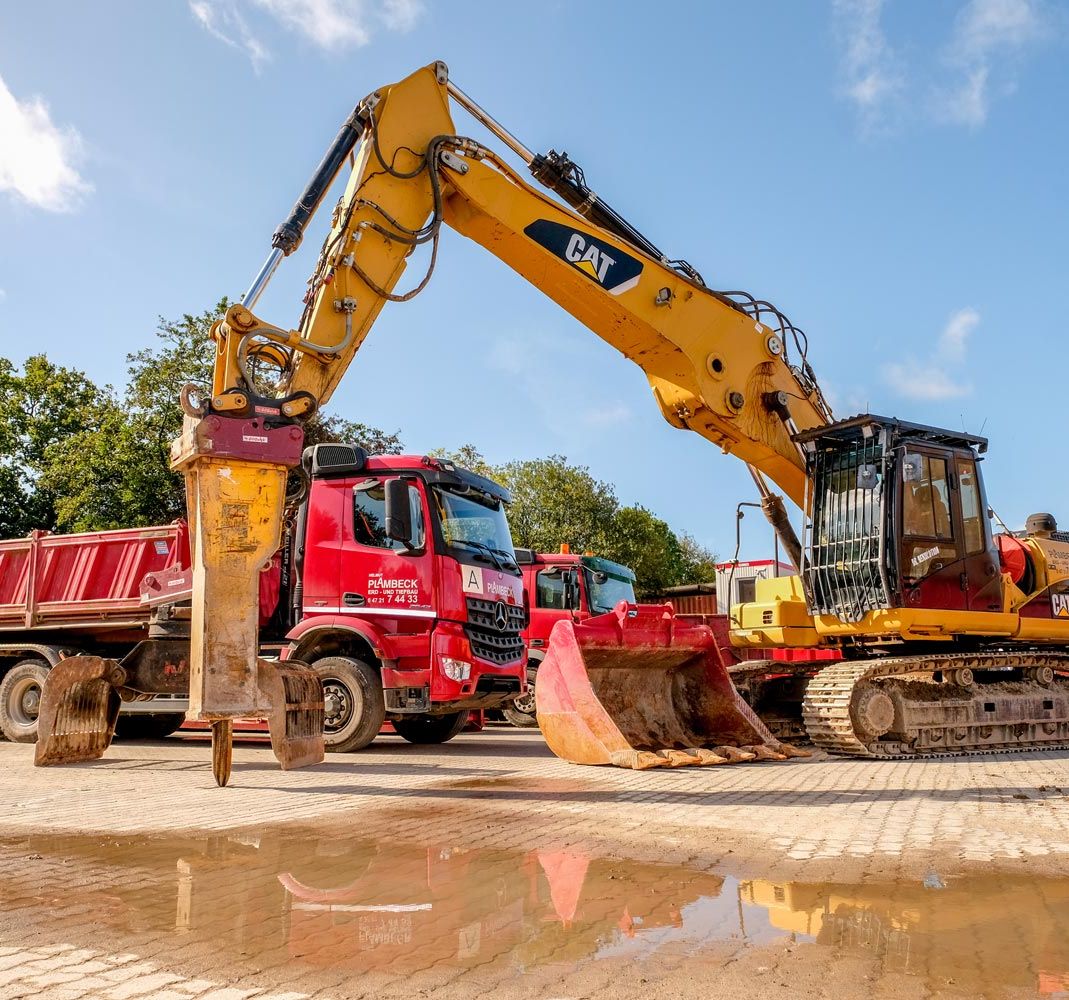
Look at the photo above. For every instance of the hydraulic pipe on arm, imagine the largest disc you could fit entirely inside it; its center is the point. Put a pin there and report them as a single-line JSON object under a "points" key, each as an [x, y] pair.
{"points": [[714, 367]]}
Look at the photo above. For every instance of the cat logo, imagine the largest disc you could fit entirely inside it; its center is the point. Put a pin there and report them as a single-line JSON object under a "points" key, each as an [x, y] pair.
{"points": [[588, 257], [1059, 605], [601, 262]]}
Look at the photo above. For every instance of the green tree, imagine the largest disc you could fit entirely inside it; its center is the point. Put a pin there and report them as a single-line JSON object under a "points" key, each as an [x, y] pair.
{"points": [[554, 501], [39, 406], [116, 472], [646, 544], [334, 428], [699, 563], [467, 456]]}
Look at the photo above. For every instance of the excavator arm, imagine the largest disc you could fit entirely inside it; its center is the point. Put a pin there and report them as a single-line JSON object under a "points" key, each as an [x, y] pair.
{"points": [[726, 365], [723, 364]]}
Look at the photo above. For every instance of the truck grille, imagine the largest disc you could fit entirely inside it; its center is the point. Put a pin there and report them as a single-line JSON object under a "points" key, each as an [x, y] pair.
{"points": [[488, 641]]}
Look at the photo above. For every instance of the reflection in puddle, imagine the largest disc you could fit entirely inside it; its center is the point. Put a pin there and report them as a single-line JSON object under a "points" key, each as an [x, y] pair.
{"points": [[288, 898]]}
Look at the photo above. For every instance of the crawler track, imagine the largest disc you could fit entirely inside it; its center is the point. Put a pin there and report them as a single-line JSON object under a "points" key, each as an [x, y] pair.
{"points": [[933, 718]]}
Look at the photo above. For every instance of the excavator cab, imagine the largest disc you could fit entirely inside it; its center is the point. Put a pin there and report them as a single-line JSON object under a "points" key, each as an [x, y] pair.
{"points": [[899, 520]]}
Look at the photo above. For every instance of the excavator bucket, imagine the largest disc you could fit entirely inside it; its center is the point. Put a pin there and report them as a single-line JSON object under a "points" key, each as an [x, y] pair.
{"points": [[294, 693], [79, 708], [640, 688]]}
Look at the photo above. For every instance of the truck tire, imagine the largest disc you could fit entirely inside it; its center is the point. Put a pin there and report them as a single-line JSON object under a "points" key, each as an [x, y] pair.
{"points": [[354, 705], [148, 727], [430, 728], [20, 700], [521, 711], [520, 718]]}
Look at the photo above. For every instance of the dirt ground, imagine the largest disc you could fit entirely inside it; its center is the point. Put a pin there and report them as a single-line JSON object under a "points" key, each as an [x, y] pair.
{"points": [[489, 866]]}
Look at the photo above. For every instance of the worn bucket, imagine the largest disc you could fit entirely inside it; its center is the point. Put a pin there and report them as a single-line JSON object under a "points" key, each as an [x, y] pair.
{"points": [[641, 688]]}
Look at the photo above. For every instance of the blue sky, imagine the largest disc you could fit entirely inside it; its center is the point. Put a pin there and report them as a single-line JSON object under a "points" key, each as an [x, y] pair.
{"points": [[891, 174]]}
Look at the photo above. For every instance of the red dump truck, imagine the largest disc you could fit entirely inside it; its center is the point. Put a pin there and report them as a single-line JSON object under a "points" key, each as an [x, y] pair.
{"points": [[563, 585], [397, 580]]}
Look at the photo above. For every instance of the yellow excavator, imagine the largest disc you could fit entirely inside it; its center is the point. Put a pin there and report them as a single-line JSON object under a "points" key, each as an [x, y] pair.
{"points": [[953, 638]]}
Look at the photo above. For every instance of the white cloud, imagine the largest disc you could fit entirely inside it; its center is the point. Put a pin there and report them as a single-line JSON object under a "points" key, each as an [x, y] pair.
{"points": [[331, 25], [936, 377], [987, 35], [223, 20], [956, 84], [872, 75], [954, 338], [3, 294], [39, 159]]}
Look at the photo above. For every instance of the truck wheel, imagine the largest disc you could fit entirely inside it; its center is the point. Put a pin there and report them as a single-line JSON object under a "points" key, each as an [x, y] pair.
{"points": [[353, 702], [148, 727], [521, 712], [430, 728], [20, 700], [519, 717]]}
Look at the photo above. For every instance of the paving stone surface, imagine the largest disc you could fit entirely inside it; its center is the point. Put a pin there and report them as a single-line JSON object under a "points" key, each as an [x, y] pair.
{"points": [[135, 877], [984, 808]]}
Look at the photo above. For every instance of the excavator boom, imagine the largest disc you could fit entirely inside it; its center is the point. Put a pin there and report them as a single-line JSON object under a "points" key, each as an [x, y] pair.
{"points": [[724, 364]]}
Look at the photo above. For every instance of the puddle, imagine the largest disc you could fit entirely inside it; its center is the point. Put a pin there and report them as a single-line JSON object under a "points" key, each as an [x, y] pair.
{"points": [[300, 901]]}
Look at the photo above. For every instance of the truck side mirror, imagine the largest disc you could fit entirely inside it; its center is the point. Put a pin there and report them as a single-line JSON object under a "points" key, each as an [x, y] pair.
{"points": [[398, 512]]}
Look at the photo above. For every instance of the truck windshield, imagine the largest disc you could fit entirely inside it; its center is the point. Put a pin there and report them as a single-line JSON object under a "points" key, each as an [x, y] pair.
{"points": [[474, 521], [607, 585]]}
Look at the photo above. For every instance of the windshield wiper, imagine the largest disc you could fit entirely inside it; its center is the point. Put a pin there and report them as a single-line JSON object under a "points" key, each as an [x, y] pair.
{"points": [[488, 549]]}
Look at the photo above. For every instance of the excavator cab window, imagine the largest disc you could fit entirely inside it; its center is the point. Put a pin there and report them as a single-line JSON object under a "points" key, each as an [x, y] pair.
{"points": [[929, 543], [972, 511]]}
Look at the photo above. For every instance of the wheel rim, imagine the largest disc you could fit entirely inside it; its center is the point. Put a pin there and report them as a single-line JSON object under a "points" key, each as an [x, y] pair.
{"points": [[25, 702], [525, 704], [338, 706]]}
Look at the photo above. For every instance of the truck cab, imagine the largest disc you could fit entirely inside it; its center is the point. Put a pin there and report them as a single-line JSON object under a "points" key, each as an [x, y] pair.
{"points": [[400, 585], [563, 585]]}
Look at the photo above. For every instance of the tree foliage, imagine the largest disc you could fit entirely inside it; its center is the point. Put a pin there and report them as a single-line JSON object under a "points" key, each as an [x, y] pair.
{"points": [[554, 501], [40, 407], [79, 458]]}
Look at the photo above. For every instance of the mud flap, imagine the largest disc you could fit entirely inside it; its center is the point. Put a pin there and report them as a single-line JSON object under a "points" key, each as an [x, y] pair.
{"points": [[79, 707], [294, 693], [638, 688]]}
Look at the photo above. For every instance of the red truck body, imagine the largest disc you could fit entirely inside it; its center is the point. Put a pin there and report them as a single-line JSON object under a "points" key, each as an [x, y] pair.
{"points": [[434, 627], [563, 585]]}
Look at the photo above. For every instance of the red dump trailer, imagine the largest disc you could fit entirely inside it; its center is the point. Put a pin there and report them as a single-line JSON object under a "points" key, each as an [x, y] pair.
{"points": [[65, 594]]}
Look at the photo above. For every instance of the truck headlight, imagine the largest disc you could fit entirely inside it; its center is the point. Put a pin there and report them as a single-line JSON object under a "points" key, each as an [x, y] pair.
{"points": [[457, 670]]}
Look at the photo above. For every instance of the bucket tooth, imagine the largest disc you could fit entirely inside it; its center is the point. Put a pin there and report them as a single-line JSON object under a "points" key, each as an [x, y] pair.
{"points": [[734, 755], [640, 681], [637, 760], [79, 708], [790, 751], [703, 757], [679, 758], [294, 693], [764, 753]]}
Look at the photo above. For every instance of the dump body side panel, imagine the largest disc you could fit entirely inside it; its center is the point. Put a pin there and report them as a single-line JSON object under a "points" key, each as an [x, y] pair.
{"points": [[91, 579]]}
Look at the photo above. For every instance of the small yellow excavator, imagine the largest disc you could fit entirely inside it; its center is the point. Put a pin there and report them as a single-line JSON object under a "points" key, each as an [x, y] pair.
{"points": [[953, 638]]}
